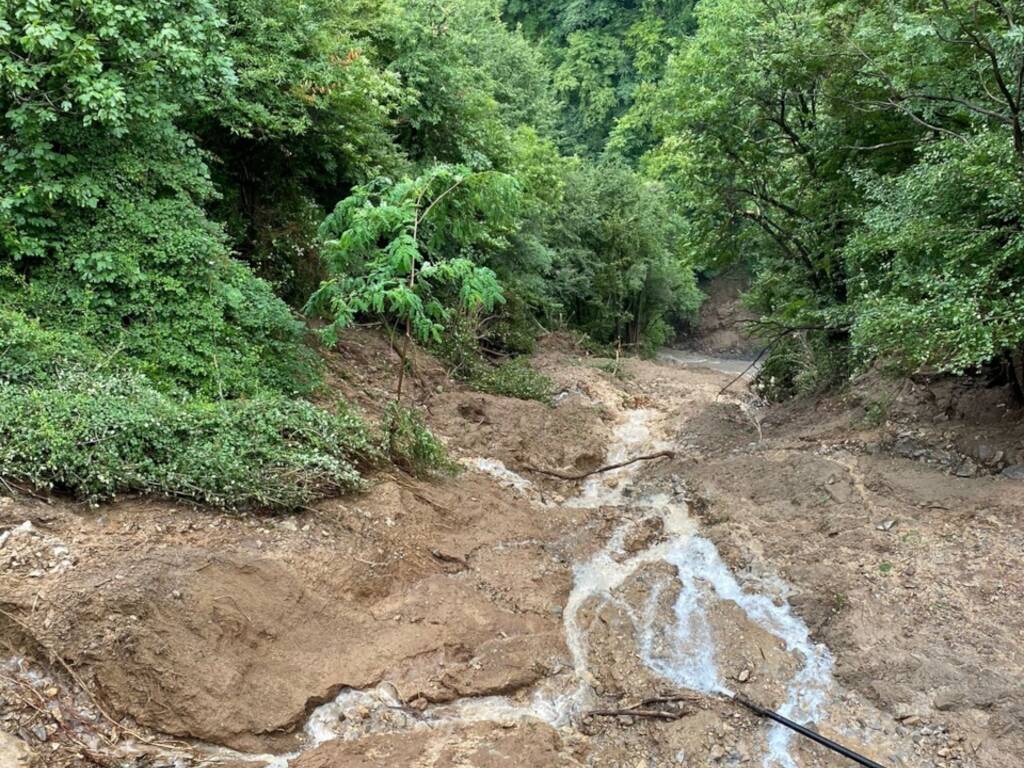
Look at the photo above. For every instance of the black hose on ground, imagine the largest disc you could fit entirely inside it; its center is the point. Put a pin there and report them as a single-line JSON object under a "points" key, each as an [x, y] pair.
{"points": [[802, 730]]}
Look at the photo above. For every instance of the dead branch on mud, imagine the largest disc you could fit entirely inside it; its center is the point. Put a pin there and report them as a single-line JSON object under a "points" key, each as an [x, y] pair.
{"points": [[654, 714], [600, 470], [648, 708]]}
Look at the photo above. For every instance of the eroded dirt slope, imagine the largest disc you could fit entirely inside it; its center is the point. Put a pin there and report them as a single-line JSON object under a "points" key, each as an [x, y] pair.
{"points": [[232, 629]]}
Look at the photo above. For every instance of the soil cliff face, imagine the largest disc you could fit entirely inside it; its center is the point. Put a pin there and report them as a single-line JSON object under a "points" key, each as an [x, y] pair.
{"points": [[722, 326]]}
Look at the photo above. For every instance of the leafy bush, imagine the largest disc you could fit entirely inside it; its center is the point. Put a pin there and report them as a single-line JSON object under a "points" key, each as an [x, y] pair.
{"points": [[460, 349], [513, 378], [395, 249], [803, 364], [937, 268], [97, 436], [411, 445]]}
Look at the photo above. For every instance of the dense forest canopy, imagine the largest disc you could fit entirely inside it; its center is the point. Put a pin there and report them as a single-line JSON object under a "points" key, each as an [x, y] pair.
{"points": [[185, 184]]}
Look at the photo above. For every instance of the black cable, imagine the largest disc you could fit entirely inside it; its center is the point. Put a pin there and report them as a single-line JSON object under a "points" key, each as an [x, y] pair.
{"points": [[803, 731]]}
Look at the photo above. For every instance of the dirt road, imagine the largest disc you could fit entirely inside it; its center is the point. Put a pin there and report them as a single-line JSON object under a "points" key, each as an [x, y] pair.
{"points": [[480, 620]]}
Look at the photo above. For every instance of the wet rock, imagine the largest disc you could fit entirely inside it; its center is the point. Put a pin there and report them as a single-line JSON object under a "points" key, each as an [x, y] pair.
{"points": [[966, 468], [643, 535], [1014, 472], [988, 455]]}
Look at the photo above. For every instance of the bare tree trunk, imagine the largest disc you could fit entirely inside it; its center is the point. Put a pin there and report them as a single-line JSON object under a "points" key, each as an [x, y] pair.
{"points": [[1017, 371]]}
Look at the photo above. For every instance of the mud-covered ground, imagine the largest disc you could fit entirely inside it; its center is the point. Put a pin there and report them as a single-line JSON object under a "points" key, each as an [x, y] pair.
{"points": [[145, 633]]}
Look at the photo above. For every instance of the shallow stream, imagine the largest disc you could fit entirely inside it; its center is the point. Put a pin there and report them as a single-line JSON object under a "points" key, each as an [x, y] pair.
{"points": [[678, 646], [681, 651]]}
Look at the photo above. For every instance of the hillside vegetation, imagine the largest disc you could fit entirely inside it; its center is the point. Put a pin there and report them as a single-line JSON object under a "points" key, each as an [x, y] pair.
{"points": [[184, 185]]}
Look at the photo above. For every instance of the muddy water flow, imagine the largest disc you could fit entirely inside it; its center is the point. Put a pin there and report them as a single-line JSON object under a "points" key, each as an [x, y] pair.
{"points": [[681, 580]]}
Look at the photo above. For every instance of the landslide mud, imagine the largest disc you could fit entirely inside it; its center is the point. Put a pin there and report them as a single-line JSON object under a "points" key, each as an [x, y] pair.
{"points": [[432, 623]]}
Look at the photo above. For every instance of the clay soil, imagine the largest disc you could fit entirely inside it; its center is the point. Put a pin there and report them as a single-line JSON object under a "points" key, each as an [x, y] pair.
{"points": [[146, 633]]}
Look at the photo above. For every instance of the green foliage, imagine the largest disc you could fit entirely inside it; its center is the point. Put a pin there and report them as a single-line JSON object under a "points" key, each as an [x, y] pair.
{"points": [[605, 56], [513, 378], [167, 168], [460, 349], [411, 445], [937, 269], [97, 436], [802, 364], [76, 80], [867, 161], [394, 250], [619, 273], [104, 233]]}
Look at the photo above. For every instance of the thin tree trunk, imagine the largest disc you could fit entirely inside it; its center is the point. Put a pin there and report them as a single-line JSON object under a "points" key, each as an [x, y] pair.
{"points": [[1017, 371]]}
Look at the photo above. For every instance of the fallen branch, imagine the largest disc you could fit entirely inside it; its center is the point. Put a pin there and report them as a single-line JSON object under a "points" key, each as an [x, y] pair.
{"points": [[444, 557], [654, 714], [600, 470], [674, 698]]}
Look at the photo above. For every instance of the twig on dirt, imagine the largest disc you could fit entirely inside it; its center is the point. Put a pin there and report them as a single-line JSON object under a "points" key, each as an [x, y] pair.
{"points": [[654, 714], [444, 557], [649, 707], [371, 563], [753, 362], [237, 607], [600, 470], [13, 489], [673, 698]]}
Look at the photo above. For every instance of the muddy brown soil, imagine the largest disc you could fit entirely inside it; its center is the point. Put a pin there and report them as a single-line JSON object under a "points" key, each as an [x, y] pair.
{"points": [[144, 632]]}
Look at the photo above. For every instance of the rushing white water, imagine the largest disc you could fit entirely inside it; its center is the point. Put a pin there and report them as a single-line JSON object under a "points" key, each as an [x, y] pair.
{"points": [[499, 472], [682, 651]]}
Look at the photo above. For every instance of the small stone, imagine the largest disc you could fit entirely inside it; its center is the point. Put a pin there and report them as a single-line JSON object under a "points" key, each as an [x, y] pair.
{"points": [[1013, 472], [886, 525], [966, 468], [717, 752], [743, 676], [52, 692]]}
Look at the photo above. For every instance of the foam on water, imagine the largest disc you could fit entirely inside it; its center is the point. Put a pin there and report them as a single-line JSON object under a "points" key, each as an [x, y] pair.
{"points": [[684, 653]]}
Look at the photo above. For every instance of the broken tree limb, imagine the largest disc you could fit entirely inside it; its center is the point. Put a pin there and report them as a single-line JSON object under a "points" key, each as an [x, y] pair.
{"points": [[655, 714], [600, 470], [649, 708]]}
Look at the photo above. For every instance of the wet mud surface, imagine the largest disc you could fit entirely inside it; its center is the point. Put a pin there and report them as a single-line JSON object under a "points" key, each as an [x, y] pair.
{"points": [[481, 620]]}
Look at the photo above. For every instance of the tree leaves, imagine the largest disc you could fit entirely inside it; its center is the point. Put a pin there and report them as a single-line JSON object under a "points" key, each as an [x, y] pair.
{"points": [[398, 246]]}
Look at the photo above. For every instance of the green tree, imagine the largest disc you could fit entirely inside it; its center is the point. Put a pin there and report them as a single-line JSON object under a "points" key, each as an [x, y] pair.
{"points": [[397, 250]]}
